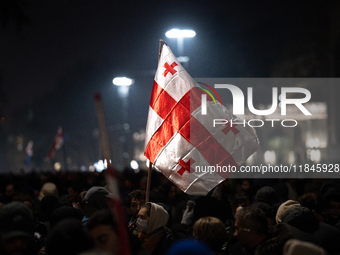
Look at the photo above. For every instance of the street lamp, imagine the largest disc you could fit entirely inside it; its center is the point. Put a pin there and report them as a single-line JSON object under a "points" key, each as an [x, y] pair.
{"points": [[123, 84], [175, 33], [180, 35]]}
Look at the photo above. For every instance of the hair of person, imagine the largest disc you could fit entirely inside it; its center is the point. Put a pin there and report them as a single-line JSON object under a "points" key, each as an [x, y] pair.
{"points": [[255, 218], [135, 194], [313, 202], [211, 231], [240, 200], [102, 217], [148, 208]]}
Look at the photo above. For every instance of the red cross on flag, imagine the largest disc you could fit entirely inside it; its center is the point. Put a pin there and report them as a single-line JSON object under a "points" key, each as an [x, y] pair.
{"points": [[181, 141]]}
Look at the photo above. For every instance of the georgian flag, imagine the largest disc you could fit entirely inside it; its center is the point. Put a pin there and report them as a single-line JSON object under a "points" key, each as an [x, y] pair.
{"points": [[58, 142], [180, 140]]}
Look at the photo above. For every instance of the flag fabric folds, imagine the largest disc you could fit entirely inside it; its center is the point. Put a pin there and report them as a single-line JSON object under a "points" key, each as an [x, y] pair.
{"points": [[58, 142], [181, 142]]}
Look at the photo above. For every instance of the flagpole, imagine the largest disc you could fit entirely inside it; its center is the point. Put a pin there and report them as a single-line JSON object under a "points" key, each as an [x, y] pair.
{"points": [[117, 210], [148, 184]]}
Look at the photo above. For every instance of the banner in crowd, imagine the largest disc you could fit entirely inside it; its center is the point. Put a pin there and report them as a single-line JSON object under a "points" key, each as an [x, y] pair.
{"points": [[181, 136]]}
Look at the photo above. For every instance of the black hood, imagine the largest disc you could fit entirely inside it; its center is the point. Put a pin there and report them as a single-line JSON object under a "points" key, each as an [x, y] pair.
{"points": [[332, 194], [301, 218]]}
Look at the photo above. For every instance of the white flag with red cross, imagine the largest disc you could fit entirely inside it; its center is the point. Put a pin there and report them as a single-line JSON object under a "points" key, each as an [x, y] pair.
{"points": [[181, 141], [58, 142]]}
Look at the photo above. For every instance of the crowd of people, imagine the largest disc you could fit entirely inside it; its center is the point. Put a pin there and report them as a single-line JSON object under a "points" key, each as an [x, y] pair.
{"points": [[73, 213]]}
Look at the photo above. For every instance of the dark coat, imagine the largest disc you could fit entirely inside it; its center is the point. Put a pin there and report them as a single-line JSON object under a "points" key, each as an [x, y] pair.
{"points": [[306, 227]]}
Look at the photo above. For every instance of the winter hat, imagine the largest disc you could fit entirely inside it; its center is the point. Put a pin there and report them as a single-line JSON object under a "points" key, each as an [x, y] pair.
{"points": [[297, 247], [267, 195], [267, 209], [16, 220], [48, 188], [95, 197], [65, 212], [284, 207]]}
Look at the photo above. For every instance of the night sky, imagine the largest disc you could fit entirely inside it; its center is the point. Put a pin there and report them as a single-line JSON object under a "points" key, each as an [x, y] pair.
{"points": [[53, 63]]}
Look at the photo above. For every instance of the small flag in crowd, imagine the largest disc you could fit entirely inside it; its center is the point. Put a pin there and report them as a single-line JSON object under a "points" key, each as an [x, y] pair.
{"points": [[180, 139], [58, 142], [29, 152]]}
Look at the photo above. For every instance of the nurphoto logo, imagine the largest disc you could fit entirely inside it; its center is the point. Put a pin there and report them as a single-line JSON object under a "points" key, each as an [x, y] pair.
{"points": [[238, 105]]}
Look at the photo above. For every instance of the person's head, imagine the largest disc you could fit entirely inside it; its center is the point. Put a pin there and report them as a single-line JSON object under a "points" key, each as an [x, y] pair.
{"points": [[316, 204], [251, 226], [297, 247], [26, 200], [284, 207], [11, 190], [68, 237], [74, 189], [210, 206], [189, 247], [97, 197], [16, 229], [65, 212], [334, 209], [246, 185], [239, 202], [211, 231], [332, 198], [48, 188], [267, 195], [102, 229], [135, 200], [151, 216], [268, 210]]}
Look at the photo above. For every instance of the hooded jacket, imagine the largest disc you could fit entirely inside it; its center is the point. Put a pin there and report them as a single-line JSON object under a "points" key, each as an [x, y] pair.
{"points": [[284, 207], [155, 241], [306, 227], [48, 188], [158, 218]]}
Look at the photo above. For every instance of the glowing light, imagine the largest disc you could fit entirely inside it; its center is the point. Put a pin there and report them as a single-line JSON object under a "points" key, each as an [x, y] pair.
{"points": [[270, 157], [134, 164], [122, 81], [99, 166], [176, 33], [313, 143], [123, 91], [315, 155], [183, 59], [57, 166], [136, 136], [291, 157], [91, 168]]}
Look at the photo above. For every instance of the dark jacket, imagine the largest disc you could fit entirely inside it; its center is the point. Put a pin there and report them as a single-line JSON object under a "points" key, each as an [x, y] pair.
{"points": [[306, 227]]}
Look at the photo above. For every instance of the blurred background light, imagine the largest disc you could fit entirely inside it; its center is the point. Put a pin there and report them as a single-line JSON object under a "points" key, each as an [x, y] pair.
{"points": [[176, 33], [122, 81]]}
